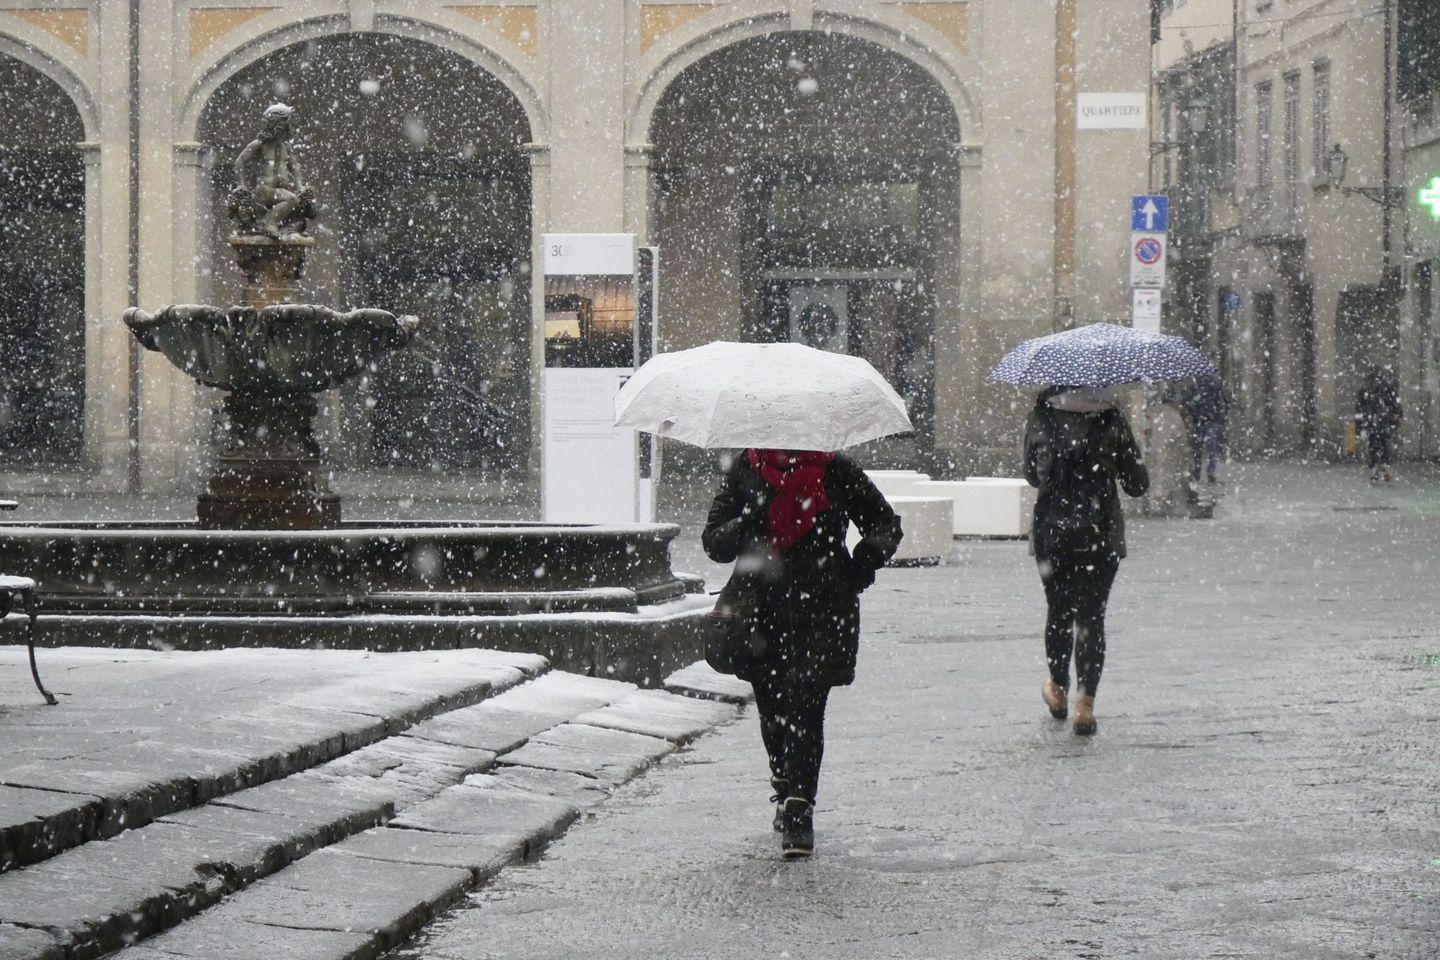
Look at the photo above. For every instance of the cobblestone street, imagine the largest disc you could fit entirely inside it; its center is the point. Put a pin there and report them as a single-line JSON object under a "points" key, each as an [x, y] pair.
{"points": [[1264, 783]]}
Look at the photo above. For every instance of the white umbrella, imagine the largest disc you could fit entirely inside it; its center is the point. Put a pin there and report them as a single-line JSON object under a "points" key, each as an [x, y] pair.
{"points": [[768, 395]]}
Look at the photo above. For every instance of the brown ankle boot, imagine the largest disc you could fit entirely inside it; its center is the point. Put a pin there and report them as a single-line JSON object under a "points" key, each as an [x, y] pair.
{"points": [[1055, 698], [1085, 724]]}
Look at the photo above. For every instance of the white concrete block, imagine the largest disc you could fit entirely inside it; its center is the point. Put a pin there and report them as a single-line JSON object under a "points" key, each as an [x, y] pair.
{"points": [[896, 483], [986, 506], [927, 523]]}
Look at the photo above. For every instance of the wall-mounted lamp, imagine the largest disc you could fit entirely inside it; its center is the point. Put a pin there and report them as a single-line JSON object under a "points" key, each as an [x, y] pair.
{"points": [[1336, 165], [1194, 121]]}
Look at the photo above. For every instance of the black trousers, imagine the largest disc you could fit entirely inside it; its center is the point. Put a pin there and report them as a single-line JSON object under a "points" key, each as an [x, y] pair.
{"points": [[792, 724], [1077, 588], [1379, 443]]}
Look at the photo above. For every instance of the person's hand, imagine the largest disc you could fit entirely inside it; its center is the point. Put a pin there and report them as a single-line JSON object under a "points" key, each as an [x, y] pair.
{"points": [[754, 519], [862, 575]]}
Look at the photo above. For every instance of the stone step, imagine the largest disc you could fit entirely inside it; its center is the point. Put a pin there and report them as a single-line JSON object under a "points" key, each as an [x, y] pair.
{"points": [[102, 895], [366, 894], [129, 768], [699, 680]]}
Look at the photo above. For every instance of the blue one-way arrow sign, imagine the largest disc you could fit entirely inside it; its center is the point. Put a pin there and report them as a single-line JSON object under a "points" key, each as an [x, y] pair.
{"points": [[1150, 212]]}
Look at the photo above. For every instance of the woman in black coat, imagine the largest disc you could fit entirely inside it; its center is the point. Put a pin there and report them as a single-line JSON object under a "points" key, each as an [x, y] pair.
{"points": [[1077, 446], [782, 517]]}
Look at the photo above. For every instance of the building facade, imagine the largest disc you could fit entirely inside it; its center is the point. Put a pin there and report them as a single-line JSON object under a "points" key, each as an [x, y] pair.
{"points": [[1293, 247], [1418, 74], [915, 163]]}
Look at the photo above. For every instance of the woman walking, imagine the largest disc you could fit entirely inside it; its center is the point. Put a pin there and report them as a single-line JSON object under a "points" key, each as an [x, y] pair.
{"points": [[1077, 445], [782, 517], [1379, 415]]}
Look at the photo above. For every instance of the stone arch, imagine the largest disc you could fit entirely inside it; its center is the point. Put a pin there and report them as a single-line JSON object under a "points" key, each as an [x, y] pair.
{"points": [[43, 266], [849, 205], [58, 67], [426, 194], [710, 34], [252, 44]]}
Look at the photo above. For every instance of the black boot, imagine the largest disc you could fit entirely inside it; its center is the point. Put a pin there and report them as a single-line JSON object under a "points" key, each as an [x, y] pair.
{"points": [[781, 787], [797, 840]]}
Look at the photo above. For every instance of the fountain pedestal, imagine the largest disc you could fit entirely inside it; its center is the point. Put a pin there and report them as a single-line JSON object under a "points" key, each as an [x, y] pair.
{"points": [[273, 266], [268, 474]]}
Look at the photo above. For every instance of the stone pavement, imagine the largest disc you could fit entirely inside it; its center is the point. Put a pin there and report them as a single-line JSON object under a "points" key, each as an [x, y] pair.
{"points": [[1264, 784]]}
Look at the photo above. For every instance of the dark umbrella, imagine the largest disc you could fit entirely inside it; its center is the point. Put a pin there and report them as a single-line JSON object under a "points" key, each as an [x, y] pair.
{"points": [[1098, 355]]}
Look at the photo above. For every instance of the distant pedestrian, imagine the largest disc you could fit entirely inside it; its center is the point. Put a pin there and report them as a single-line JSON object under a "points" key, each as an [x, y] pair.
{"points": [[782, 517], [1378, 415], [1203, 400], [1077, 445]]}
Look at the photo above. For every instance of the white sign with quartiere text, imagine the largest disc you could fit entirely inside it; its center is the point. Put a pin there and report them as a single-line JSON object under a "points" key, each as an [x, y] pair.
{"points": [[1110, 111]]}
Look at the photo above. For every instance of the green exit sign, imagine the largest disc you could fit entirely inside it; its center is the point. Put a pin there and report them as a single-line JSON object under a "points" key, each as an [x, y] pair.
{"points": [[1430, 198]]}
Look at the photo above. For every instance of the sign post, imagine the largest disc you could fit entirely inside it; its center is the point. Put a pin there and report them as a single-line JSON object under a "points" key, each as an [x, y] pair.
{"points": [[647, 344], [1147, 260], [1150, 213], [1145, 309], [1149, 240], [589, 468]]}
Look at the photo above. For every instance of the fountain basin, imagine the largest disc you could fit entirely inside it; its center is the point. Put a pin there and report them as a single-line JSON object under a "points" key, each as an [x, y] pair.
{"points": [[594, 599], [272, 360], [281, 349]]}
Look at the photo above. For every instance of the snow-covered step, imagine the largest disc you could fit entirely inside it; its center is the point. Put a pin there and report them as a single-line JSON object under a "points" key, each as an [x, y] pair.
{"points": [[102, 895], [701, 681], [60, 790], [367, 893], [656, 713]]}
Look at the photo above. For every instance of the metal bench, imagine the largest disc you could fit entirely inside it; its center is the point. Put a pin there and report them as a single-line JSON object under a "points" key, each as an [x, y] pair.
{"points": [[23, 590]]}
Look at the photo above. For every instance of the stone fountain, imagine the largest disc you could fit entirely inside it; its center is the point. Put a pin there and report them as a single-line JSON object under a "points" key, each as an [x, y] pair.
{"points": [[269, 560], [272, 354]]}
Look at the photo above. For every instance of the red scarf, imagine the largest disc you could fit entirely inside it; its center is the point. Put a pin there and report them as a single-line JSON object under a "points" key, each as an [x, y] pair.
{"points": [[798, 479]]}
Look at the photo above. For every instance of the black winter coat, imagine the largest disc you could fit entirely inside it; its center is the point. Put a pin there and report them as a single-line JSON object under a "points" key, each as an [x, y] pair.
{"points": [[1377, 406], [805, 600], [1204, 403], [1115, 449]]}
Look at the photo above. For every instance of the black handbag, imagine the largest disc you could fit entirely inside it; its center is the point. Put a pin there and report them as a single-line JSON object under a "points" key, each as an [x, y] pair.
{"points": [[733, 641]]}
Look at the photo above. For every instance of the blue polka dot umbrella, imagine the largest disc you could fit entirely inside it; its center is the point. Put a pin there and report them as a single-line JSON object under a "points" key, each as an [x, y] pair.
{"points": [[1101, 355]]}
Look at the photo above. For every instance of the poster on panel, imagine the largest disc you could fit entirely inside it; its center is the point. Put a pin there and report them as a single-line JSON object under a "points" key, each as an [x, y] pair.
{"points": [[589, 467]]}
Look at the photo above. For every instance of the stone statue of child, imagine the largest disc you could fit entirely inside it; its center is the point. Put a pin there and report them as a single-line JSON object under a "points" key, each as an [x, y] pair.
{"points": [[269, 195]]}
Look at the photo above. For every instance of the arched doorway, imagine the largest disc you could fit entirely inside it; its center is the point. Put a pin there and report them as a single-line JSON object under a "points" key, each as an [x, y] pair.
{"points": [[42, 270], [415, 154], [805, 187]]}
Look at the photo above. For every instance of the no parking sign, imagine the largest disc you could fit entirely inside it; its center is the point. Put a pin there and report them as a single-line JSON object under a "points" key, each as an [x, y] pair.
{"points": [[1147, 259]]}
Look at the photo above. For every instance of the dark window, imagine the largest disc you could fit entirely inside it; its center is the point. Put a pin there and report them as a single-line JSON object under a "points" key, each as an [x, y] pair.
{"points": [[1292, 143], [1263, 107], [1321, 120], [1265, 347], [1418, 49]]}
